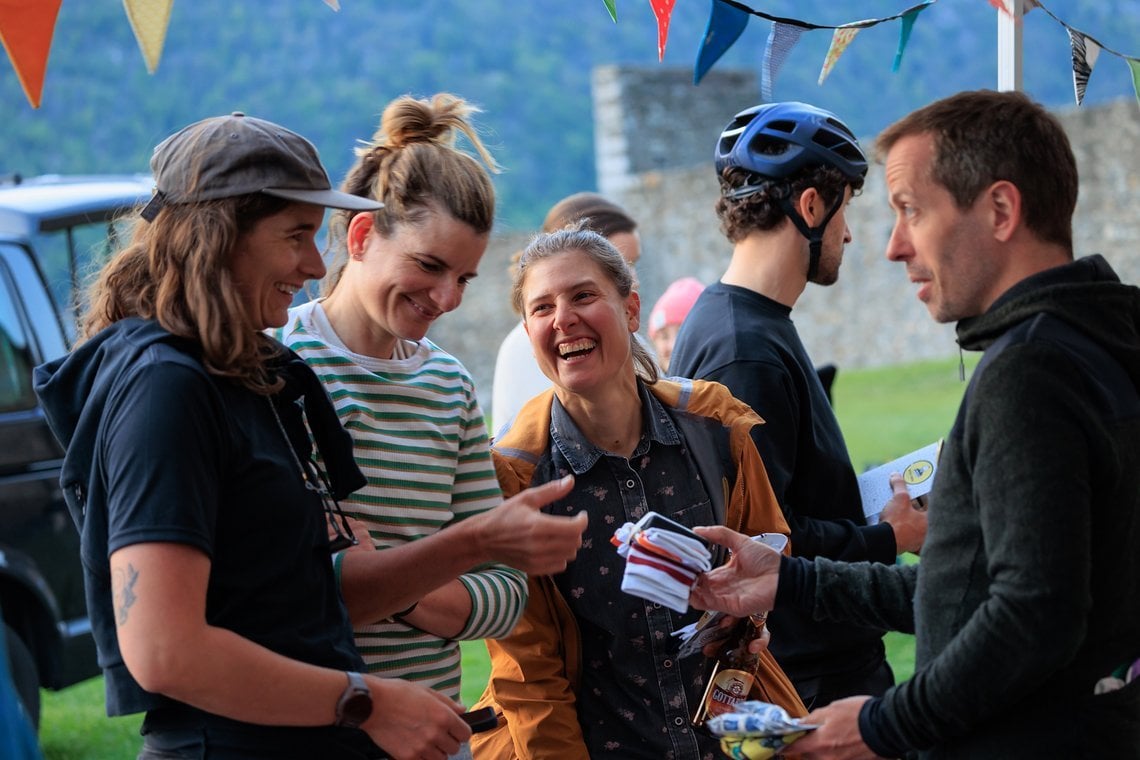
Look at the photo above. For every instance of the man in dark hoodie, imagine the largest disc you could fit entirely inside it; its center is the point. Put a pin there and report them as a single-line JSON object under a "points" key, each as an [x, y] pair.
{"points": [[1025, 605]]}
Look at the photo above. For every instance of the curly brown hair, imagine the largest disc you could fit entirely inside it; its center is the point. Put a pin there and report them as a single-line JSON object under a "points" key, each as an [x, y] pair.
{"points": [[762, 210]]}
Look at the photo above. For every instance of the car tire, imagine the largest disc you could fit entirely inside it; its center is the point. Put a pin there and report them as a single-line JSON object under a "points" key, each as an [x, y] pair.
{"points": [[24, 675]]}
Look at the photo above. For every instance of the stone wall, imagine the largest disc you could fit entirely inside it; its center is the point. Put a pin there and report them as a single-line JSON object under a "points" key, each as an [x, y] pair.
{"points": [[871, 316]]}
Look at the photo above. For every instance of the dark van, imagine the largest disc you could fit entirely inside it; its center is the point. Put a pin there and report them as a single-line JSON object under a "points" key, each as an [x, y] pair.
{"points": [[54, 231]]}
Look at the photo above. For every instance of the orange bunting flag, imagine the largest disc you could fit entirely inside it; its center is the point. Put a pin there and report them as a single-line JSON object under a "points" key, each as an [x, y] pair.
{"points": [[840, 39], [662, 9], [149, 20], [26, 29]]}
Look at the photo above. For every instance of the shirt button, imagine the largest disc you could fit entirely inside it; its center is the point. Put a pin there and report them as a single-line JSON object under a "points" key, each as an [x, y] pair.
{"points": [[630, 483]]}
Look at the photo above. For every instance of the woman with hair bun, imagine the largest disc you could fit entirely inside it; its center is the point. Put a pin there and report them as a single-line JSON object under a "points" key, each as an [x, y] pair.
{"points": [[452, 559]]}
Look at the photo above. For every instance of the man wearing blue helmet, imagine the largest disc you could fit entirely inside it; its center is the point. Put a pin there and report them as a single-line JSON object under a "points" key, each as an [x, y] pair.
{"points": [[787, 172]]}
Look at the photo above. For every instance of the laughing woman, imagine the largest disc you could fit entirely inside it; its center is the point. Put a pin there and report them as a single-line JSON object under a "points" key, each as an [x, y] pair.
{"points": [[591, 672]]}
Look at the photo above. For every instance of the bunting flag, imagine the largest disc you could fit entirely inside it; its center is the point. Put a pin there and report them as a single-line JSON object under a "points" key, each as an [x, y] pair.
{"points": [[1085, 53], [729, 18], [781, 40], [904, 35], [1134, 65], [26, 29], [612, 9], [149, 20], [726, 24], [840, 39], [662, 9], [334, 4]]}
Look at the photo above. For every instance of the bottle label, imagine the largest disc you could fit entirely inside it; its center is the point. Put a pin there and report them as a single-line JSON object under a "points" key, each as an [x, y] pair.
{"points": [[729, 688]]}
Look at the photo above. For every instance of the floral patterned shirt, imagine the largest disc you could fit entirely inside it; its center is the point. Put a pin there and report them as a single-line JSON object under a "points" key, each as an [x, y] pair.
{"points": [[637, 697]]}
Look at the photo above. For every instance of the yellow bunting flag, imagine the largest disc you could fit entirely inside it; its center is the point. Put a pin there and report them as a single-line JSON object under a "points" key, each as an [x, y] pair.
{"points": [[149, 19], [26, 28], [840, 39]]}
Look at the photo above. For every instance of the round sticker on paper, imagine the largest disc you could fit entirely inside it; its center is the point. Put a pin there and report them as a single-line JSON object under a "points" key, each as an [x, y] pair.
{"points": [[917, 472]]}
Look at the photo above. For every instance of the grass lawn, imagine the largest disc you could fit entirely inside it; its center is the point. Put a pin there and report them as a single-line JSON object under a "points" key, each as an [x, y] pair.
{"points": [[884, 414]]}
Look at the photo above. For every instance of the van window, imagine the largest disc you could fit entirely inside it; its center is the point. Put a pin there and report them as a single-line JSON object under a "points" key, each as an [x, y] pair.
{"points": [[15, 353], [70, 259]]}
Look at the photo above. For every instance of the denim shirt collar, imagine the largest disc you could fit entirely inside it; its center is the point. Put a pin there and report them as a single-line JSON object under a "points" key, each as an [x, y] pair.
{"points": [[581, 454]]}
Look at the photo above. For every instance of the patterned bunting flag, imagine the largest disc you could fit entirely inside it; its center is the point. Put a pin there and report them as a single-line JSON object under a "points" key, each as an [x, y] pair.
{"points": [[662, 9], [26, 29], [840, 39], [1085, 53], [781, 40], [726, 24], [149, 19]]}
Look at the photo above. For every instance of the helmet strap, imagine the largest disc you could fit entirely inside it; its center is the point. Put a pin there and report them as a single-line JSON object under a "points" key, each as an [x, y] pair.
{"points": [[814, 234]]}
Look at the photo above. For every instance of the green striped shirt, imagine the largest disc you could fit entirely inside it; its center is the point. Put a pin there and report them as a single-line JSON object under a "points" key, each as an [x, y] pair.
{"points": [[421, 441]]}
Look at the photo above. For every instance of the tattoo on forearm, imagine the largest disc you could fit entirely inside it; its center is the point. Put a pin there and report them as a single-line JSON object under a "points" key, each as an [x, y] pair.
{"points": [[123, 591]]}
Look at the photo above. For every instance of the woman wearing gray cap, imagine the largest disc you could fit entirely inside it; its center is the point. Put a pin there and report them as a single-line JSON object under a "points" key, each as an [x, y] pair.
{"points": [[189, 471]]}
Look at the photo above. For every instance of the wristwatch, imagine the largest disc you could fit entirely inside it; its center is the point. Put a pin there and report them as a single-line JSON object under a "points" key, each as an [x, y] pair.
{"points": [[355, 704]]}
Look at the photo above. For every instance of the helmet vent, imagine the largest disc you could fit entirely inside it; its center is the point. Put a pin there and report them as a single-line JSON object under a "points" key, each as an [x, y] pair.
{"points": [[766, 145], [782, 125], [841, 127]]}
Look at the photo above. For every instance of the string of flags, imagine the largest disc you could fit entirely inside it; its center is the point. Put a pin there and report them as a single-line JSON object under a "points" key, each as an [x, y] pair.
{"points": [[729, 18], [1085, 49], [27, 26]]}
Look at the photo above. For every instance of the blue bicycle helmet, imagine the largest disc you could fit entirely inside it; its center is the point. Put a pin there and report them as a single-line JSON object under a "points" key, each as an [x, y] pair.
{"points": [[776, 140]]}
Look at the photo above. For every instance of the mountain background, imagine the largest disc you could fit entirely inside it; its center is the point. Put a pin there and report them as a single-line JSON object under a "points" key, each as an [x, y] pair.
{"points": [[526, 63]]}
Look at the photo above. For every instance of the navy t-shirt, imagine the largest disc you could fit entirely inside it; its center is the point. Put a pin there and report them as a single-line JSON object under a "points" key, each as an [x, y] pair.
{"points": [[189, 458]]}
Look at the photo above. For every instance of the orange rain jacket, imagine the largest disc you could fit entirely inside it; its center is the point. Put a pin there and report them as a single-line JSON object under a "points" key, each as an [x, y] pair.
{"points": [[535, 671]]}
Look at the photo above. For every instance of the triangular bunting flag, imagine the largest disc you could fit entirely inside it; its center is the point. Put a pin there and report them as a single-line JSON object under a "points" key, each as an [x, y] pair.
{"points": [[904, 35], [1085, 53], [26, 28], [149, 19], [612, 9], [781, 40], [726, 24], [334, 4], [840, 39], [662, 9], [1134, 64]]}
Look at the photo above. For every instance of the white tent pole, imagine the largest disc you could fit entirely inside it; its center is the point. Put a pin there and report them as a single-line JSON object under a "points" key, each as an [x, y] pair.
{"points": [[1009, 45]]}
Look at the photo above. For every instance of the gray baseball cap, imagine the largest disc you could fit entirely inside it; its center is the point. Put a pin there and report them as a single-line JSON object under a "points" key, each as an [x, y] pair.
{"points": [[226, 156]]}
